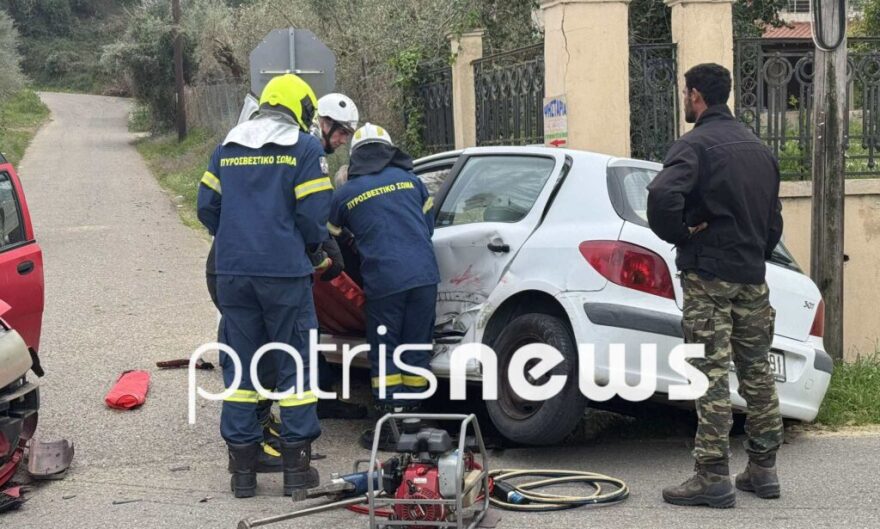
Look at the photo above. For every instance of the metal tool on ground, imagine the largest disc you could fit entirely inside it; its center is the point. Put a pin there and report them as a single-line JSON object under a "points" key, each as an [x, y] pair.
{"points": [[183, 362]]}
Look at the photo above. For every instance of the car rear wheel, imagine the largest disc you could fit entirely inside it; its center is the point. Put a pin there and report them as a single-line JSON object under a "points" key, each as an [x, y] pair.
{"points": [[531, 422]]}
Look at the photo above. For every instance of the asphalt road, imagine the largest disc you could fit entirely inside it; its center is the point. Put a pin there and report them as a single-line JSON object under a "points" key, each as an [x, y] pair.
{"points": [[125, 288]]}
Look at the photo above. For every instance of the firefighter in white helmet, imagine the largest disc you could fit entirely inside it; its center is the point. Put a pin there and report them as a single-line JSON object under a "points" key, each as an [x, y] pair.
{"points": [[389, 212], [335, 121]]}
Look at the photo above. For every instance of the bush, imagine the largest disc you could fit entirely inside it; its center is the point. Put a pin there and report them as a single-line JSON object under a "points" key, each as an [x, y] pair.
{"points": [[144, 54], [62, 62], [41, 17], [12, 79]]}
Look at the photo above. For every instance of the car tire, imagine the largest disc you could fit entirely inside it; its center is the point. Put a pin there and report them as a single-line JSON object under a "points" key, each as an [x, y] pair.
{"points": [[537, 423]]}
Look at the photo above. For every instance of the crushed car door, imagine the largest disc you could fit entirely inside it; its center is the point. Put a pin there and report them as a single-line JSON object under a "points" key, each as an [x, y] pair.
{"points": [[484, 214]]}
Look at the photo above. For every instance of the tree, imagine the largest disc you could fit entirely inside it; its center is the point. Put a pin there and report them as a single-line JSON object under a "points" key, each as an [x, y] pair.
{"points": [[650, 20], [868, 24], [144, 55], [12, 80]]}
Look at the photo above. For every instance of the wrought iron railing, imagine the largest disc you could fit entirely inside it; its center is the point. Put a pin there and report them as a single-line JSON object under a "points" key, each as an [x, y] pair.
{"points": [[653, 99], [509, 90], [435, 93], [774, 97]]}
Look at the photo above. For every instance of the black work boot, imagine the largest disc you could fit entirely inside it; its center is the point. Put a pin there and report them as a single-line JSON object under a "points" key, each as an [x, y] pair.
{"points": [[338, 409], [760, 477], [299, 476], [710, 486], [243, 459], [268, 461]]}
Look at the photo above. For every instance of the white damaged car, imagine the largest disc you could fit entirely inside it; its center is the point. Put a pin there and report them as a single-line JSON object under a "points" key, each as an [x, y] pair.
{"points": [[544, 245]]}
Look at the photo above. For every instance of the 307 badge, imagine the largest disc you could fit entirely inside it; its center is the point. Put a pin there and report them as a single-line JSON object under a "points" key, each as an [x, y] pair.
{"points": [[325, 167]]}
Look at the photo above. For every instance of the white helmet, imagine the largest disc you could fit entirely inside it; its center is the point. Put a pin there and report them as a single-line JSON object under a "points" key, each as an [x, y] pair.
{"points": [[370, 133], [340, 108]]}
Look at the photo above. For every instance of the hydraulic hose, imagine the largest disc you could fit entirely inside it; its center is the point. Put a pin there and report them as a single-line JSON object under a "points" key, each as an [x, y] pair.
{"points": [[523, 496]]}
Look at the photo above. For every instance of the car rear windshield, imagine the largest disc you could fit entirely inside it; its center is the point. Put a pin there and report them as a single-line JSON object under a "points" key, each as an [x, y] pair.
{"points": [[628, 187]]}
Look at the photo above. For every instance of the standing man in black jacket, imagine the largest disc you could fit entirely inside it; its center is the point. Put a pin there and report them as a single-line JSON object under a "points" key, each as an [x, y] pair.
{"points": [[717, 201]]}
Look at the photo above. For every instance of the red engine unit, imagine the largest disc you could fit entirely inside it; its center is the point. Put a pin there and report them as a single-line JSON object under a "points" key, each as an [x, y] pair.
{"points": [[421, 481]]}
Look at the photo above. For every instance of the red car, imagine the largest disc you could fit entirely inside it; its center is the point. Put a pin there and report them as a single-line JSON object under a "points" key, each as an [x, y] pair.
{"points": [[21, 317], [21, 260]]}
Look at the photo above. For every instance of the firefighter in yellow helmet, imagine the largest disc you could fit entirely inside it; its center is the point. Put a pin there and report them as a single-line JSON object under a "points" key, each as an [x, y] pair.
{"points": [[266, 199]]}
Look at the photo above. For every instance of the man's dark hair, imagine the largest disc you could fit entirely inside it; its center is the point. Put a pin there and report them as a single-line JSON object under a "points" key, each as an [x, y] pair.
{"points": [[711, 80]]}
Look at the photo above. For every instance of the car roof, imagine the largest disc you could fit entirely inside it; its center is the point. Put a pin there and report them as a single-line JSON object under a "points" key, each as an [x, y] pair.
{"points": [[594, 157]]}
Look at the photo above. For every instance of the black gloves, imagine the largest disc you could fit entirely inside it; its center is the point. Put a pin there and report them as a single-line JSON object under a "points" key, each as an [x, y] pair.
{"points": [[337, 264]]}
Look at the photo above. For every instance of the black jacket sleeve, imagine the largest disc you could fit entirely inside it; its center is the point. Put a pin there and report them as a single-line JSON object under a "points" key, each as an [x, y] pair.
{"points": [[667, 192], [774, 227], [774, 233]]}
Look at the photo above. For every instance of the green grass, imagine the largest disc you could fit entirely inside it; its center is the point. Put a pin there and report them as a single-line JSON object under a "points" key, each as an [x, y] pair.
{"points": [[139, 120], [853, 399], [179, 167], [20, 117]]}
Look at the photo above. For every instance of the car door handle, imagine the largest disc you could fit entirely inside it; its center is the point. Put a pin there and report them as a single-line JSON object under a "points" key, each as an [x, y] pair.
{"points": [[26, 267], [498, 247]]}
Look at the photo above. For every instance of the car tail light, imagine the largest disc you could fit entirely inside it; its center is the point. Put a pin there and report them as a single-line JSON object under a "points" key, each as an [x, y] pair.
{"points": [[630, 266], [818, 328]]}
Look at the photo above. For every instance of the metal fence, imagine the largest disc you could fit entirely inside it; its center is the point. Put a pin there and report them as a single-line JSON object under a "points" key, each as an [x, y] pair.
{"points": [[215, 106], [774, 96], [509, 90], [435, 93], [653, 99]]}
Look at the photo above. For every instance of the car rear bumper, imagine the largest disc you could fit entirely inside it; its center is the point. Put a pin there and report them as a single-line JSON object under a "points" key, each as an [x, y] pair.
{"points": [[598, 320]]}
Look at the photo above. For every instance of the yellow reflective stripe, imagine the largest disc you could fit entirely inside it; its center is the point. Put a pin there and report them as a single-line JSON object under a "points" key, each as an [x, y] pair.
{"points": [[390, 380], [334, 230], [428, 205], [414, 381], [312, 186], [261, 398], [271, 451], [246, 396], [307, 398], [211, 181]]}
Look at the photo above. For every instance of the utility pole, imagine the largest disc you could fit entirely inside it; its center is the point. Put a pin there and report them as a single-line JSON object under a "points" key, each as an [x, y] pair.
{"points": [[178, 71], [829, 108]]}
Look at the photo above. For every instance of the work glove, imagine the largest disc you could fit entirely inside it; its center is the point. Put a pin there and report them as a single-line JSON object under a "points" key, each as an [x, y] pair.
{"points": [[337, 264], [346, 238], [319, 258]]}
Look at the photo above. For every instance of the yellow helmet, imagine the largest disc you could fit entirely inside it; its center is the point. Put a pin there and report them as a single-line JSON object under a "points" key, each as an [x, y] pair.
{"points": [[294, 94]]}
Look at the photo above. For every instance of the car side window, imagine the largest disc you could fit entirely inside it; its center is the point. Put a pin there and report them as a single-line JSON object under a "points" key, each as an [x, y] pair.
{"points": [[497, 188], [434, 178], [11, 229]]}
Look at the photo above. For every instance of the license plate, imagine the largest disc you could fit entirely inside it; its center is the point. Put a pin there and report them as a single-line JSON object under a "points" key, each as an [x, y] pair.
{"points": [[777, 365]]}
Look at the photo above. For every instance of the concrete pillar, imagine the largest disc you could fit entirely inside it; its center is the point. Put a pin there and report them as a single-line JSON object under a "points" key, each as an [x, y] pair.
{"points": [[586, 59], [703, 31], [466, 49]]}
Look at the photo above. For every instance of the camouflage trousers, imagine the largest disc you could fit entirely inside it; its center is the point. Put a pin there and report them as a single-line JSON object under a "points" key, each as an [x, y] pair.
{"points": [[732, 319]]}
